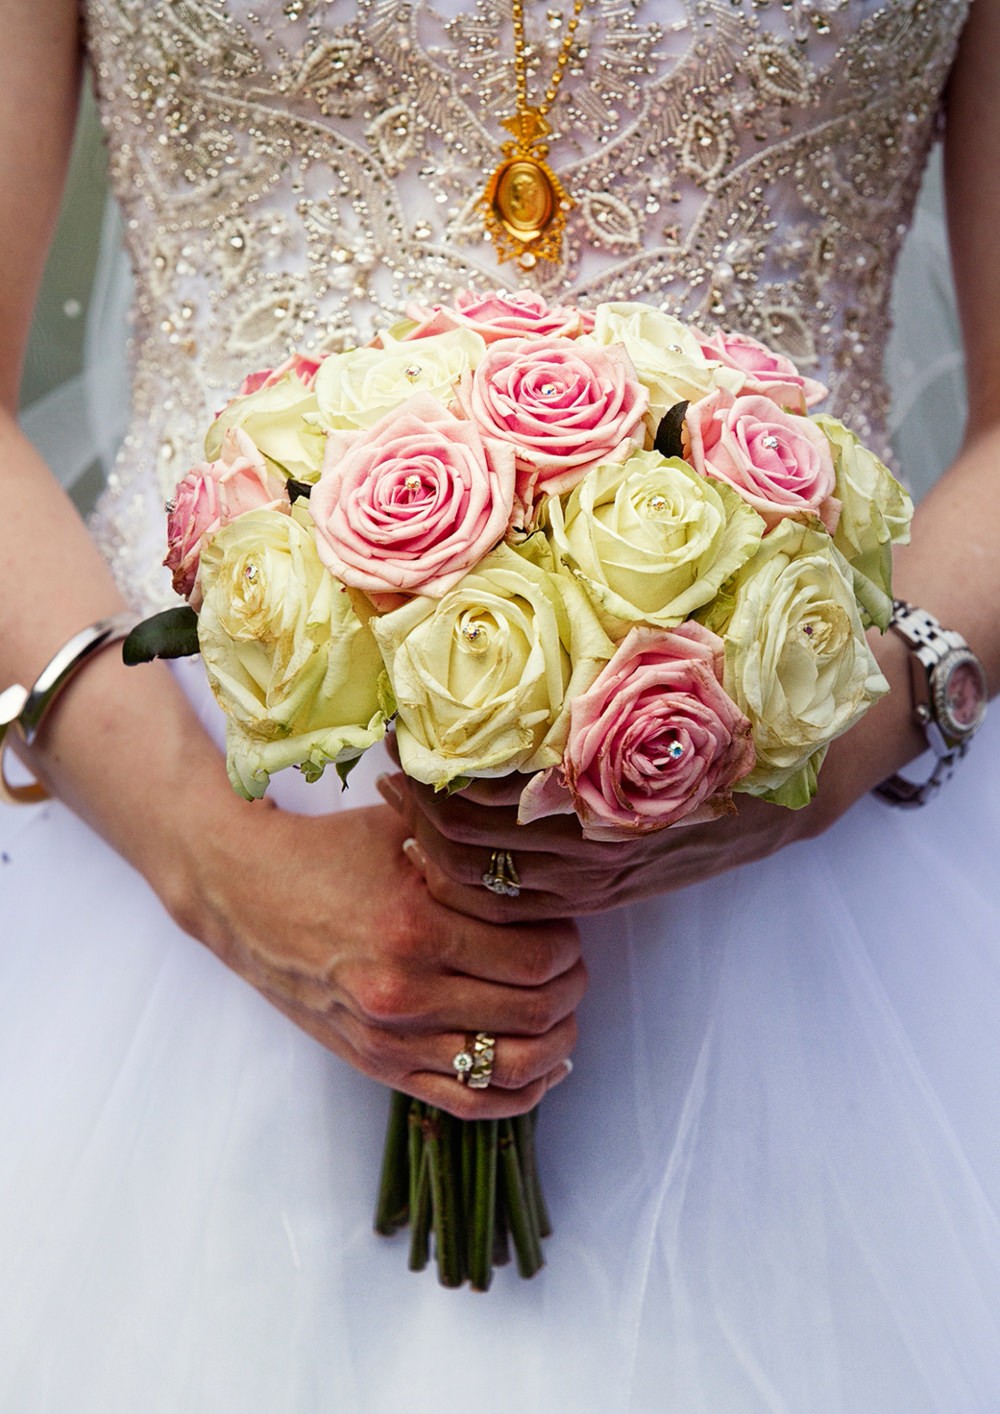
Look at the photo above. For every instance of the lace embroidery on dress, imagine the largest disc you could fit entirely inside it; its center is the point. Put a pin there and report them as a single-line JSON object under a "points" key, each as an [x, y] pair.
{"points": [[293, 172]]}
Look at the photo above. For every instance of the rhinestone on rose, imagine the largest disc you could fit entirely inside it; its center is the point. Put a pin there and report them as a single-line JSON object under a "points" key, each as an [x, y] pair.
{"points": [[412, 371], [250, 573], [675, 751], [657, 503], [412, 483], [769, 441]]}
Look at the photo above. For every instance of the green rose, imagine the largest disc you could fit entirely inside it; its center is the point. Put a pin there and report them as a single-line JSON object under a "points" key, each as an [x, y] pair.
{"points": [[875, 514], [651, 540], [295, 668], [280, 420], [482, 676], [358, 388], [797, 663]]}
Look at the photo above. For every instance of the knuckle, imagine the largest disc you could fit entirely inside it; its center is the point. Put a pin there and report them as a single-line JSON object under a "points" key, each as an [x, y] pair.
{"points": [[539, 1013], [383, 996], [519, 1068], [466, 1104], [535, 961]]}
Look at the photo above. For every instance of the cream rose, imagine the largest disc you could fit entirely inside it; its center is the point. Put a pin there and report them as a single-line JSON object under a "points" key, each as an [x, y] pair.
{"points": [[481, 677], [875, 514], [666, 354], [651, 540], [279, 418], [295, 668], [797, 659], [358, 388]]}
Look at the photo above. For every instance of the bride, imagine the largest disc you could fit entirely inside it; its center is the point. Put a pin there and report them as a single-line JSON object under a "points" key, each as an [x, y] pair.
{"points": [[775, 1169]]}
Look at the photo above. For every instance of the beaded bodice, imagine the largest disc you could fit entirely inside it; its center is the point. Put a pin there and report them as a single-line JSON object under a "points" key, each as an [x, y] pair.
{"points": [[293, 172]]}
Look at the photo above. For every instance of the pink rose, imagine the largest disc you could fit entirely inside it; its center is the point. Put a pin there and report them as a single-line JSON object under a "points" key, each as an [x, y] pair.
{"points": [[499, 314], [563, 407], [780, 462], [304, 368], [209, 497], [654, 741], [408, 505], [771, 374]]}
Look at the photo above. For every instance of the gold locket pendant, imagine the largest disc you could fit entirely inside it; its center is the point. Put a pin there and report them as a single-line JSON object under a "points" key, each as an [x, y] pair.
{"points": [[524, 204]]}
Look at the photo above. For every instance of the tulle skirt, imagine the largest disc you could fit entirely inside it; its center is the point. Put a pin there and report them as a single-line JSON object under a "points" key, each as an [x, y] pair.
{"points": [[774, 1173]]}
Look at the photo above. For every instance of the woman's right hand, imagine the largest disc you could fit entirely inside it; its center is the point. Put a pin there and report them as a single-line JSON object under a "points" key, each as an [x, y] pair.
{"points": [[328, 920]]}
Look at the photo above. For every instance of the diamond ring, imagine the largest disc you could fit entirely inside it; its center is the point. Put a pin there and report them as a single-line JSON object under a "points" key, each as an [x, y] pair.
{"points": [[500, 877], [473, 1066]]}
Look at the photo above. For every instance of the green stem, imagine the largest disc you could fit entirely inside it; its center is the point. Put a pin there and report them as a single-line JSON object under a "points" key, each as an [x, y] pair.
{"points": [[447, 1238], [527, 1244], [483, 1208], [524, 1135], [392, 1207], [420, 1192], [501, 1228]]}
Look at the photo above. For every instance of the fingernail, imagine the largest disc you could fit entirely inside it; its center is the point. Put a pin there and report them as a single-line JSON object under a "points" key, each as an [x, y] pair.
{"points": [[558, 1076], [390, 794], [415, 855]]}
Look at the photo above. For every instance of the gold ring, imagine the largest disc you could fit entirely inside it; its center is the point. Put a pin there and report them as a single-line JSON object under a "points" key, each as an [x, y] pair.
{"points": [[473, 1066], [500, 877]]}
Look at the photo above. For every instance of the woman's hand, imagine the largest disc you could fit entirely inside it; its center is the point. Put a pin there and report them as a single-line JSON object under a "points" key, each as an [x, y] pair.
{"points": [[559, 872], [328, 920]]}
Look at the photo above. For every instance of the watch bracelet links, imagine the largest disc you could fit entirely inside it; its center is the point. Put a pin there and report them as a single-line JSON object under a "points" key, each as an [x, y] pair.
{"points": [[25, 709], [929, 642]]}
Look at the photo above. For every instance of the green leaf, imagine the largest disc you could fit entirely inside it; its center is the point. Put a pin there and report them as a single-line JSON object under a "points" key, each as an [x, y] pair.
{"points": [[172, 634], [344, 769], [668, 435], [298, 490]]}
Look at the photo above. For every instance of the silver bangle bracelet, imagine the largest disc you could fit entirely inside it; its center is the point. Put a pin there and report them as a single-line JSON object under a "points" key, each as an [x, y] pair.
{"points": [[27, 709]]}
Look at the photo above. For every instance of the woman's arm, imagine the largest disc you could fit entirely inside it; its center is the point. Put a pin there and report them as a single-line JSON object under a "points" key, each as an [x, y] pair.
{"points": [[951, 568], [322, 915]]}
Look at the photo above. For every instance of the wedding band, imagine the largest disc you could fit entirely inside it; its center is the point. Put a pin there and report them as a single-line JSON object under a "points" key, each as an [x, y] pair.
{"points": [[501, 876], [474, 1065]]}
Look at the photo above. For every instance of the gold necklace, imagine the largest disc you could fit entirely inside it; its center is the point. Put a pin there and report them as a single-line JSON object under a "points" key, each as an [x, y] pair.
{"points": [[524, 205]]}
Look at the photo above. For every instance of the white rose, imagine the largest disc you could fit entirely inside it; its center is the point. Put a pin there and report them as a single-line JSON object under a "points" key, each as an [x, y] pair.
{"points": [[651, 540], [875, 514], [294, 667], [666, 354], [482, 676], [358, 388], [280, 420], [798, 663]]}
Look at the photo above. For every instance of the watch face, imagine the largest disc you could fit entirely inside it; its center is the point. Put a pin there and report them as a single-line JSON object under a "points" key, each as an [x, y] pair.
{"points": [[960, 693]]}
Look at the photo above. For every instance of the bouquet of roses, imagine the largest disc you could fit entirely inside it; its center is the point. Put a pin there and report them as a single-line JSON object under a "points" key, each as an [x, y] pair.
{"points": [[600, 548]]}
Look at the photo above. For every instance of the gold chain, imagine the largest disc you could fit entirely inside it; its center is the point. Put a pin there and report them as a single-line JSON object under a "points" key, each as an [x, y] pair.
{"points": [[524, 205], [562, 59]]}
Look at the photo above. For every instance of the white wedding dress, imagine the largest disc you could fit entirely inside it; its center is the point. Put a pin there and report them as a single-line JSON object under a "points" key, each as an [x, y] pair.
{"points": [[775, 1170]]}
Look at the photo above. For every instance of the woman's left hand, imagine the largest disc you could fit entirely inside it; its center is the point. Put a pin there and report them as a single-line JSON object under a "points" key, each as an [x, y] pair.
{"points": [[561, 874]]}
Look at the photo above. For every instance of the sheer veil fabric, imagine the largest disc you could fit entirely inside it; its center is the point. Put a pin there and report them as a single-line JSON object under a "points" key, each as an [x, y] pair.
{"points": [[774, 1172]]}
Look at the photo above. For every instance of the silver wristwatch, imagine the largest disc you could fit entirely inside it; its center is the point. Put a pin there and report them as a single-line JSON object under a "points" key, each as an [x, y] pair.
{"points": [[949, 698]]}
